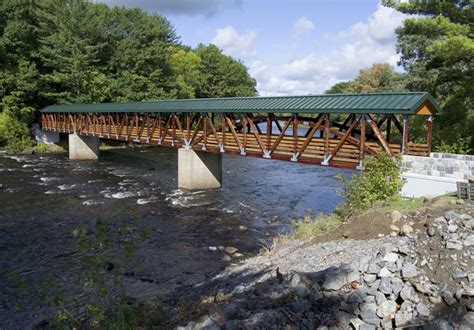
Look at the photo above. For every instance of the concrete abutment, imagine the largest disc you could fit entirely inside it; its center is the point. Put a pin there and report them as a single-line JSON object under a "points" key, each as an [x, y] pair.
{"points": [[199, 170], [83, 147]]}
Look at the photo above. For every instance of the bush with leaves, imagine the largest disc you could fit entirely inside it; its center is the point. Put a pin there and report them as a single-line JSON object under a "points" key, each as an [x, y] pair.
{"points": [[381, 181], [14, 135]]}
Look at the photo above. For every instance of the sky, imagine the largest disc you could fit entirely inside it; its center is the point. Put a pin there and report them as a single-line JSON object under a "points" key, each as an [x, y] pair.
{"points": [[291, 47]]}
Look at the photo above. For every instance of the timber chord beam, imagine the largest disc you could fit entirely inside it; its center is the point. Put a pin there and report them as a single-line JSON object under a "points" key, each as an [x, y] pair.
{"points": [[333, 130]]}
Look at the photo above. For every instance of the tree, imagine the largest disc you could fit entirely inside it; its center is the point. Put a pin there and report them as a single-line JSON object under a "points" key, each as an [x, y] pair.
{"points": [[79, 51], [70, 56], [437, 53], [223, 76], [186, 66], [140, 51], [458, 11], [376, 79], [18, 71]]}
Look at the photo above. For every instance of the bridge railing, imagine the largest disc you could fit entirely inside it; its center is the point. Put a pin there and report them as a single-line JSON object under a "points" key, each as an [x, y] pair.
{"points": [[301, 139]]}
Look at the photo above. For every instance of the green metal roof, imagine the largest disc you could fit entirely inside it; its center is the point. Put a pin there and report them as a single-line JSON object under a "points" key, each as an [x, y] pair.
{"points": [[395, 103]]}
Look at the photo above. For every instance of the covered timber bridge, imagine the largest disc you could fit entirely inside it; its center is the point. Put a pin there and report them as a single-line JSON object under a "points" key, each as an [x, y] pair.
{"points": [[336, 130]]}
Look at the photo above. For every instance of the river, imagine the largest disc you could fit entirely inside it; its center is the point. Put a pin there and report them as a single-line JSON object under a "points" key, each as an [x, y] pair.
{"points": [[45, 197]]}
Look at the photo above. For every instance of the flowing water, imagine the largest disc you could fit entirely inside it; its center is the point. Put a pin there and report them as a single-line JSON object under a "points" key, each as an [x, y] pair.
{"points": [[45, 197]]}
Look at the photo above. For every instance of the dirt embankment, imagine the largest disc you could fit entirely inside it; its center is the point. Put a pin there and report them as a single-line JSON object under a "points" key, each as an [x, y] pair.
{"points": [[379, 270]]}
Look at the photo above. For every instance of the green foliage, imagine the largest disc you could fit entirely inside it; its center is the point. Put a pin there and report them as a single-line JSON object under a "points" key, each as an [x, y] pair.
{"points": [[14, 135], [376, 79], [438, 54], [78, 51], [41, 148], [459, 11], [381, 181], [222, 76], [186, 66], [315, 226]]}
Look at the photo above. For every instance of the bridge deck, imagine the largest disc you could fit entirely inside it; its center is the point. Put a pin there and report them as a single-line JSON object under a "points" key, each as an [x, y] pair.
{"points": [[343, 143], [335, 130]]}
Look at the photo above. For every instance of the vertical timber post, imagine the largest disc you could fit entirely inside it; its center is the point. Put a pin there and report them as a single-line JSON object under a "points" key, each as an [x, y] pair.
{"points": [[389, 128], [361, 165], [294, 158], [429, 134], [325, 161], [406, 124]]}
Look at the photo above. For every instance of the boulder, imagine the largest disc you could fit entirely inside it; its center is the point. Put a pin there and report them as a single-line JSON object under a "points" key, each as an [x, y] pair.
{"points": [[391, 257], [368, 313], [423, 310], [395, 216], [467, 322], [385, 286], [406, 230], [454, 245], [469, 241], [408, 293], [409, 270], [402, 318], [387, 308], [336, 279], [448, 298]]}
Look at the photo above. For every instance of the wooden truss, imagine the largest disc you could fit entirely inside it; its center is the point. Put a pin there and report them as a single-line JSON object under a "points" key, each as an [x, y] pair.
{"points": [[339, 143]]}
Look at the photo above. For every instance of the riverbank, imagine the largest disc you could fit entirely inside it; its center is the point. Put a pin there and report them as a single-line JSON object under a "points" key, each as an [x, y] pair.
{"points": [[384, 268]]}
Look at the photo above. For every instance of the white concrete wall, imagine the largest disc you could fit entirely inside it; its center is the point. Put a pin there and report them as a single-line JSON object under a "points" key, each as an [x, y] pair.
{"points": [[435, 175], [417, 185]]}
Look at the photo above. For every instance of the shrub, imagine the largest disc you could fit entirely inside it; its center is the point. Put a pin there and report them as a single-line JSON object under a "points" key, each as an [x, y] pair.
{"points": [[381, 181], [14, 136]]}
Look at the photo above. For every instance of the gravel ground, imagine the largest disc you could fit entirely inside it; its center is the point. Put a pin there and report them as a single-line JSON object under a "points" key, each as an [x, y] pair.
{"points": [[420, 274]]}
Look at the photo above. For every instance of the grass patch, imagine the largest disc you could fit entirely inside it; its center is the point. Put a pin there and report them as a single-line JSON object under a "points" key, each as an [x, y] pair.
{"points": [[315, 226], [407, 205], [411, 204]]}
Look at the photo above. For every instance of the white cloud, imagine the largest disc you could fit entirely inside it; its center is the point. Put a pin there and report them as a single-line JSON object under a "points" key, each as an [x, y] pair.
{"points": [[178, 7], [362, 45], [303, 25], [235, 44]]}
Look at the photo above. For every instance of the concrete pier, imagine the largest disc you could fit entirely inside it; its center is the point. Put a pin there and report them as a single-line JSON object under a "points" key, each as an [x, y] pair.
{"points": [[199, 170], [83, 147]]}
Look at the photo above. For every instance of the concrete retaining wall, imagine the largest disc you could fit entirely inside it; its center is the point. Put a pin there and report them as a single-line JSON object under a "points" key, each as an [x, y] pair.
{"points": [[435, 175], [453, 166]]}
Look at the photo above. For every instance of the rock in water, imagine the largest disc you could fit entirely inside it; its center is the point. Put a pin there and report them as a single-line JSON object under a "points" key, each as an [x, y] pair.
{"points": [[231, 250], [243, 228]]}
